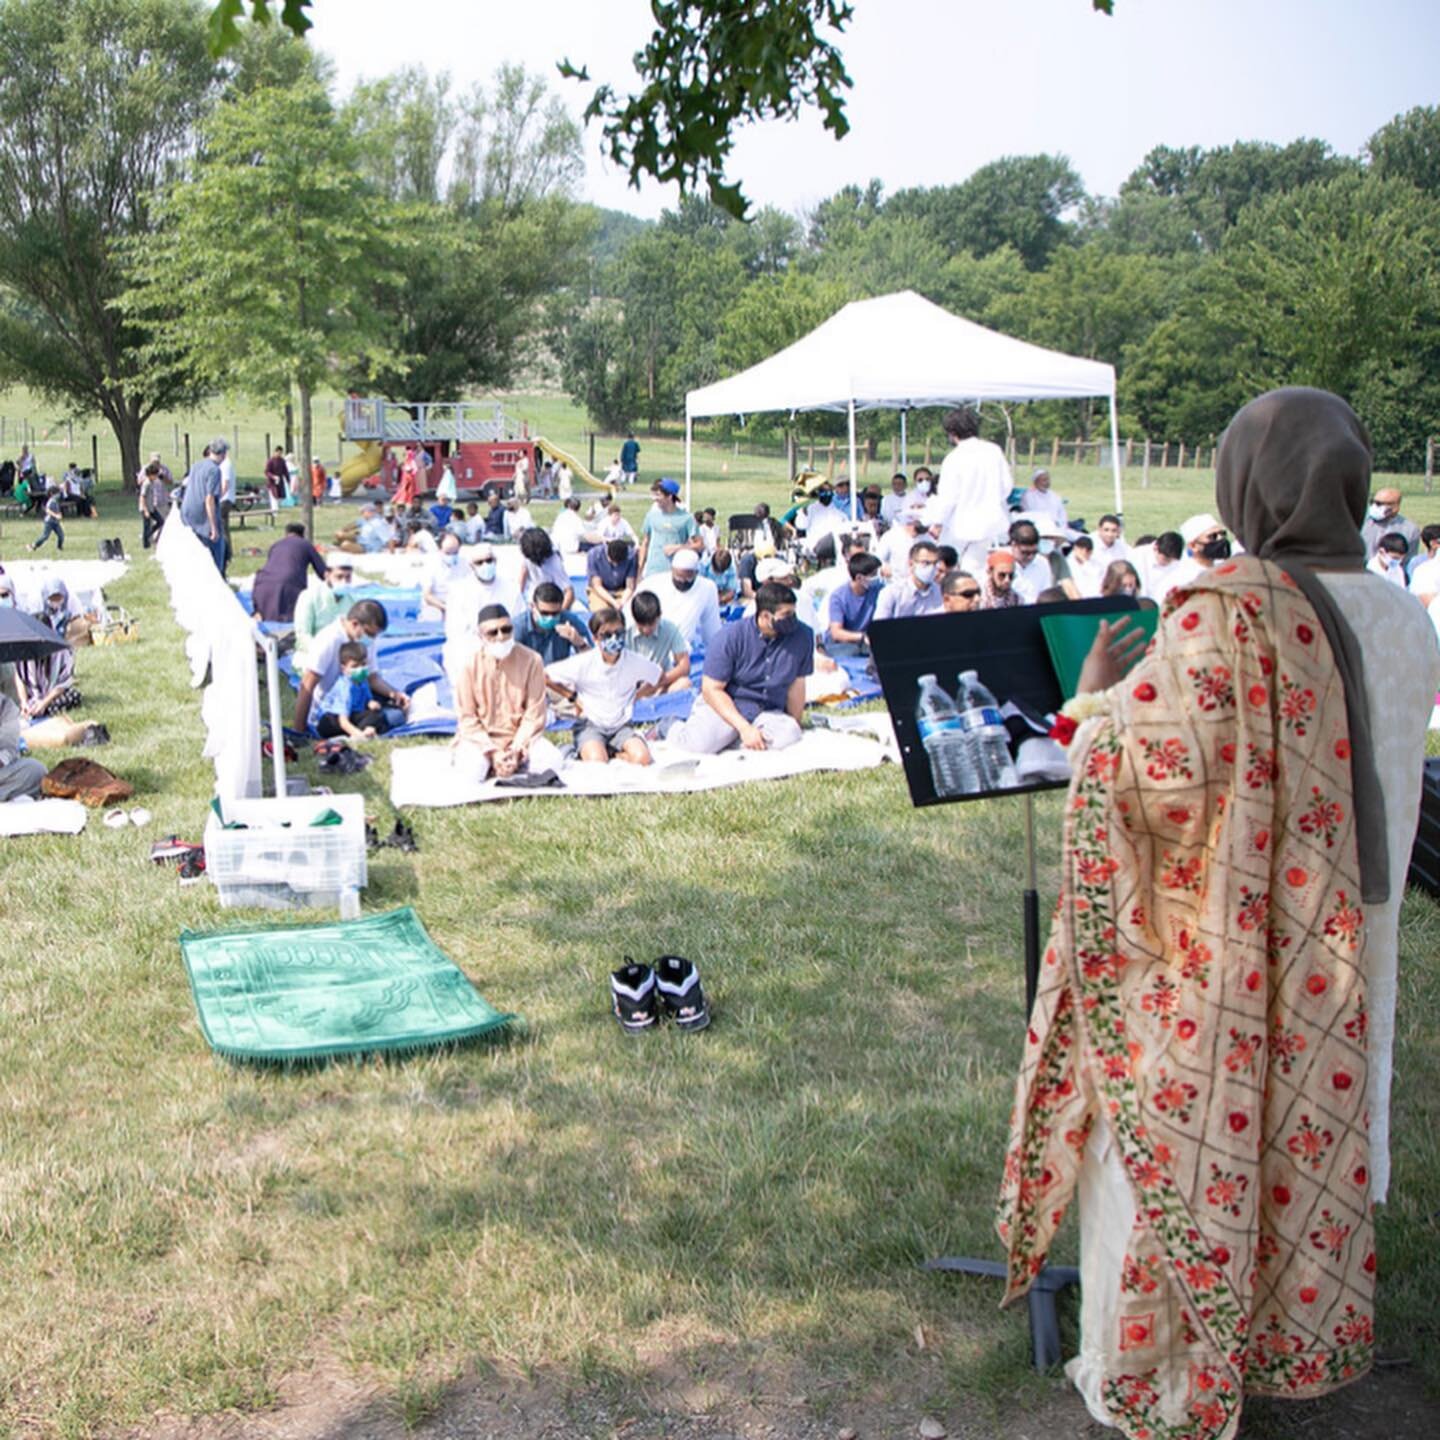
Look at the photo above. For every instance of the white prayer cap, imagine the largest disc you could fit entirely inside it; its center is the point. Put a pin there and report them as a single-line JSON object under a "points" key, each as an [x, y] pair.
{"points": [[685, 560], [1198, 525]]}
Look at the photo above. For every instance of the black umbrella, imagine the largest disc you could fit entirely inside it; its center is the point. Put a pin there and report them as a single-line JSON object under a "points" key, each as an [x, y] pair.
{"points": [[24, 638]]}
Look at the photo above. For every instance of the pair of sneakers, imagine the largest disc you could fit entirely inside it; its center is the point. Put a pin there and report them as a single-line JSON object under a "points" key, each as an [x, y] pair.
{"points": [[639, 995]]}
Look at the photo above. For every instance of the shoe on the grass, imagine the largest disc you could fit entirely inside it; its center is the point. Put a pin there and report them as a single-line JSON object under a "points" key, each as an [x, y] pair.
{"points": [[192, 867], [678, 983], [632, 997]]}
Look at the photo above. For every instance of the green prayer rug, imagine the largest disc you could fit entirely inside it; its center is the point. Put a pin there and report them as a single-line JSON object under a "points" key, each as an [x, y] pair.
{"points": [[305, 992]]}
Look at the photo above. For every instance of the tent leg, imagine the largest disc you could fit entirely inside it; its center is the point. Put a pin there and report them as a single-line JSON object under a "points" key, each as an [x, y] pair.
{"points": [[854, 475], [689, 442], [1115, 456], [904, 442]]}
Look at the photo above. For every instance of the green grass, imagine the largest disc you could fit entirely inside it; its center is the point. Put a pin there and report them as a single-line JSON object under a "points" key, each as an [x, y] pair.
{"points": [[570, 1204]]}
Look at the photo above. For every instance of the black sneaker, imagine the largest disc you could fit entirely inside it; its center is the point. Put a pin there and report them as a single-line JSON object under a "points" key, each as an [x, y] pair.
{"points": [[632, 997], [192, 868], [678, 982]]}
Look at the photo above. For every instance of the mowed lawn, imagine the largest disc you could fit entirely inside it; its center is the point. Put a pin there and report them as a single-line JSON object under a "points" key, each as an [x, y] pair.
{"points": [[179, 1234]]}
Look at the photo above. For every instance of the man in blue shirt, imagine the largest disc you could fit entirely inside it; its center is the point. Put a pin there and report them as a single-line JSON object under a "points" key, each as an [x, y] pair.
{"points": [[548, 628], [629, 460], [610, 574], [852, 606], [200, 507], [753, 690]]}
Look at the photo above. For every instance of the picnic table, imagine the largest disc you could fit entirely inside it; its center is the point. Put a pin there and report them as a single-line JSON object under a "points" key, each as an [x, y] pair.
{"points": [[251, 503]]}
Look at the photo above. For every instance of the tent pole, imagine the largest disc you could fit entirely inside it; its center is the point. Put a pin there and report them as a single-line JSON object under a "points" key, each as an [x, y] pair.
{"points": [[904, 442], [1115, 455], [689, 442], [854, 477]]}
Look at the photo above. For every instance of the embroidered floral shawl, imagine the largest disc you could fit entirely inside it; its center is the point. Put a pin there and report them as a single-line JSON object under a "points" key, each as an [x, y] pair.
{"points": [[1203, 984]]}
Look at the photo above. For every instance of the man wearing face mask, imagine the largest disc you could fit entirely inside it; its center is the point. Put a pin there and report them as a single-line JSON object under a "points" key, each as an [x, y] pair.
{"points": [[321, 605], [479, 585], [918, 593], [688, 599], [602, 684], [1384, 518], [1205, 543], [753, 690], [548, 628], [445, 570], [500, 704], [611, 570], [823, 517], [852, 607]]}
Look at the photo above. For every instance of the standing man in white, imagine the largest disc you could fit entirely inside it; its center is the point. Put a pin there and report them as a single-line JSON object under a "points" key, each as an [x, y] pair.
{"points": [[968, 509]]}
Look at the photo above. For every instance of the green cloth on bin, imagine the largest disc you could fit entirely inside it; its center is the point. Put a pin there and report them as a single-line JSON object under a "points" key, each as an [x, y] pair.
{"points": [[305, 992]]}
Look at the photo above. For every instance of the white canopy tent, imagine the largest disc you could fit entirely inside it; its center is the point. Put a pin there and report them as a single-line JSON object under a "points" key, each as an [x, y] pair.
{"points": [[900, 352]]}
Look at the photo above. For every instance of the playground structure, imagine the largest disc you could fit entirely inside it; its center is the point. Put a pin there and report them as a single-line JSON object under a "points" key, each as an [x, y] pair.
{"points": [[481, 442]]}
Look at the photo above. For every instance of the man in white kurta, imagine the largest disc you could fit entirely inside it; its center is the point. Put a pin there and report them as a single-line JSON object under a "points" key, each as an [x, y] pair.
{"points": [[969, 508], [687, 598]]}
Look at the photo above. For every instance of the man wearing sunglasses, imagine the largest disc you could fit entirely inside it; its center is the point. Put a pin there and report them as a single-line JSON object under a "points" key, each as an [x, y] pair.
{"points": [[500, 705], [960, 592]]}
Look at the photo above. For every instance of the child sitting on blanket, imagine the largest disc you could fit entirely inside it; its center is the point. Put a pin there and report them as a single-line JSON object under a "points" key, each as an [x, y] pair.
{"points": [[349, 708], [602, 682]]}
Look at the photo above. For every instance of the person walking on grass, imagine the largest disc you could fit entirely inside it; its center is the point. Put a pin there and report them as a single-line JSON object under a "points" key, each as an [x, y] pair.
{"points": [[52, 526]]}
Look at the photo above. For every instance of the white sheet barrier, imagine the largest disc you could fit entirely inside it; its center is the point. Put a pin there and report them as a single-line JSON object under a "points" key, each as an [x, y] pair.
{"points": [[220, 638]]}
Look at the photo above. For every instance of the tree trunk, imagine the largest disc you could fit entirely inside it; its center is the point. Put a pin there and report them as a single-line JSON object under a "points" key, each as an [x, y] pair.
{"points": [[289, 428], [127, 426], [307, 450]]}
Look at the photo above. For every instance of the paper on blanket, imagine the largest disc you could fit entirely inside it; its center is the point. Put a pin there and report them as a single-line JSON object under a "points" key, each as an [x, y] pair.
{"points": [[427, 776], [42, 817]]}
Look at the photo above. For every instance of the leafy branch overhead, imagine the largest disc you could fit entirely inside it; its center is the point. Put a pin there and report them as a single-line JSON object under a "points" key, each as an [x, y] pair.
{"points": [[709, 67]]}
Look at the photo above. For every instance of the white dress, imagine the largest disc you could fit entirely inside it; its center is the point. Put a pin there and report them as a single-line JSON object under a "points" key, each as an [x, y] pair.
{"points": [[1402, 674]]}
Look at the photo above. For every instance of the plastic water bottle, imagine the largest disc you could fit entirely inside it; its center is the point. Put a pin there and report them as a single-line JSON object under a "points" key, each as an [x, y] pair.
{"points": [[943, 736], [986, 735]]}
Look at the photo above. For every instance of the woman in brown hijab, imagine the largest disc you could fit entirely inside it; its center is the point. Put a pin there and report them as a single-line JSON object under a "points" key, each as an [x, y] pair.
{"points": [[1199, 1058]]}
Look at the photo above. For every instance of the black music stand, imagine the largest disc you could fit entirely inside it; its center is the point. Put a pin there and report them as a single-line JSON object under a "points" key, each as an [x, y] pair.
{"points": [[1007, 648]]}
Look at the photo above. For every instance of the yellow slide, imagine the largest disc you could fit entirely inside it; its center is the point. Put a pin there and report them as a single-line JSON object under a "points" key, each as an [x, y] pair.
{"points": [[577, 470], [359, 468]]}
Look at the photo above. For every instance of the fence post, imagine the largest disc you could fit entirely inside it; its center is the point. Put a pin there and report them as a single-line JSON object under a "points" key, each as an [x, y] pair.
{"points": [[187, 452], [1180, 462], [1129, 450], [790, 454], [1145, 465], [175, 444], [810, 455], [235, 443], [1030, 459], [1429, 458], [927, 452], [1054, 452], [592, 452], [830, 463], [95, 457]]}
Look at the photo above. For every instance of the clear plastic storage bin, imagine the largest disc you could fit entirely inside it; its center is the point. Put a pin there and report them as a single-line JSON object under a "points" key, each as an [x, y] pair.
{"points": [[281, 861]]}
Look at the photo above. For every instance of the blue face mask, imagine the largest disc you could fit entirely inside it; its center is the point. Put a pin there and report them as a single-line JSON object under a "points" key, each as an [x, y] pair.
{"points": [[360, 676], [546, 622], [613, 644]]}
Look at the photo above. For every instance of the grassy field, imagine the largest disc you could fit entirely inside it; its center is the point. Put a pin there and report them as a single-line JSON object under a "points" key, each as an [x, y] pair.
{"points": [[672, 1225]]}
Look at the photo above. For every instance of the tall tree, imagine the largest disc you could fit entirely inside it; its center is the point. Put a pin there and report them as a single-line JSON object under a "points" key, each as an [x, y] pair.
{"points": [[99, 100], [1408, 148], [485, 180], [259, 278]]}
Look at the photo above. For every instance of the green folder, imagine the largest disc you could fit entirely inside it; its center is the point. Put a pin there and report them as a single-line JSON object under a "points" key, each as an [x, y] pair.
{"points": [[1069, 638]]}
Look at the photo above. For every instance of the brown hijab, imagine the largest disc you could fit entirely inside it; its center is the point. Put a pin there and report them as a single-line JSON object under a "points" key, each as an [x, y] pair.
{"points": [[1291, 481]]}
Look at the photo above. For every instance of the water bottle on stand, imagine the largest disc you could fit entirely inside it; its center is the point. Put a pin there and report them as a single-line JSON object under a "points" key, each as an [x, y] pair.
{"points": [[952, 767], [985, 731]]}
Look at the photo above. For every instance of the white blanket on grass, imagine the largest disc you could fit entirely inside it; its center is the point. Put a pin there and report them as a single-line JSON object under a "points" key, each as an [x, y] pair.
{"points": [[85, 579], [425, 775], [42, 817]]}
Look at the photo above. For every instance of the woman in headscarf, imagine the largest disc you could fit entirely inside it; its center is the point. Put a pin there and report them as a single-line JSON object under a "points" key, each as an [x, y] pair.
{"points": [[46, 683], [1203, 1050]]}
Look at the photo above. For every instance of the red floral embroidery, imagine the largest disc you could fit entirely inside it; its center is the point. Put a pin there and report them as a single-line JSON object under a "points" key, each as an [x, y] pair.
{"points": [[1323, 818], [1167, 759], [1213, 687], [1310, 1143]]}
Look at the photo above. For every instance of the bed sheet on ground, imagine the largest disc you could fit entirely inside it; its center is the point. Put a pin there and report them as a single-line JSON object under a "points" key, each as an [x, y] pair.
{"points": [[426, 776], [42, 817]]}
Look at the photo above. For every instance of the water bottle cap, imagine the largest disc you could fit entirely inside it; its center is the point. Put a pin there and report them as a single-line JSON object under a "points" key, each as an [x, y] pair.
{"points": [[930, 678]]}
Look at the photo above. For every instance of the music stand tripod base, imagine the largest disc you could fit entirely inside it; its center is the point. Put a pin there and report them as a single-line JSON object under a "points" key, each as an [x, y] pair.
{"points": [[1044, 1319]]}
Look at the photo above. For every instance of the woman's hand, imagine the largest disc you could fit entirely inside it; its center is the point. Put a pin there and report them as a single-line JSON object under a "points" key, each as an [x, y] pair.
{"points": [[1117, 647]]}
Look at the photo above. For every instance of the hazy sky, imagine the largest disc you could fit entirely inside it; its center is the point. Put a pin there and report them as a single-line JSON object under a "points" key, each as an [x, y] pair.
{"points": [[943, 86]]}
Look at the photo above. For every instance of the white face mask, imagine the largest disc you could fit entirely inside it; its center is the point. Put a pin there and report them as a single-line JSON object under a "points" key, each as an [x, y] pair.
{"points": [[923, 486], [924, 573], [499, 649]]}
